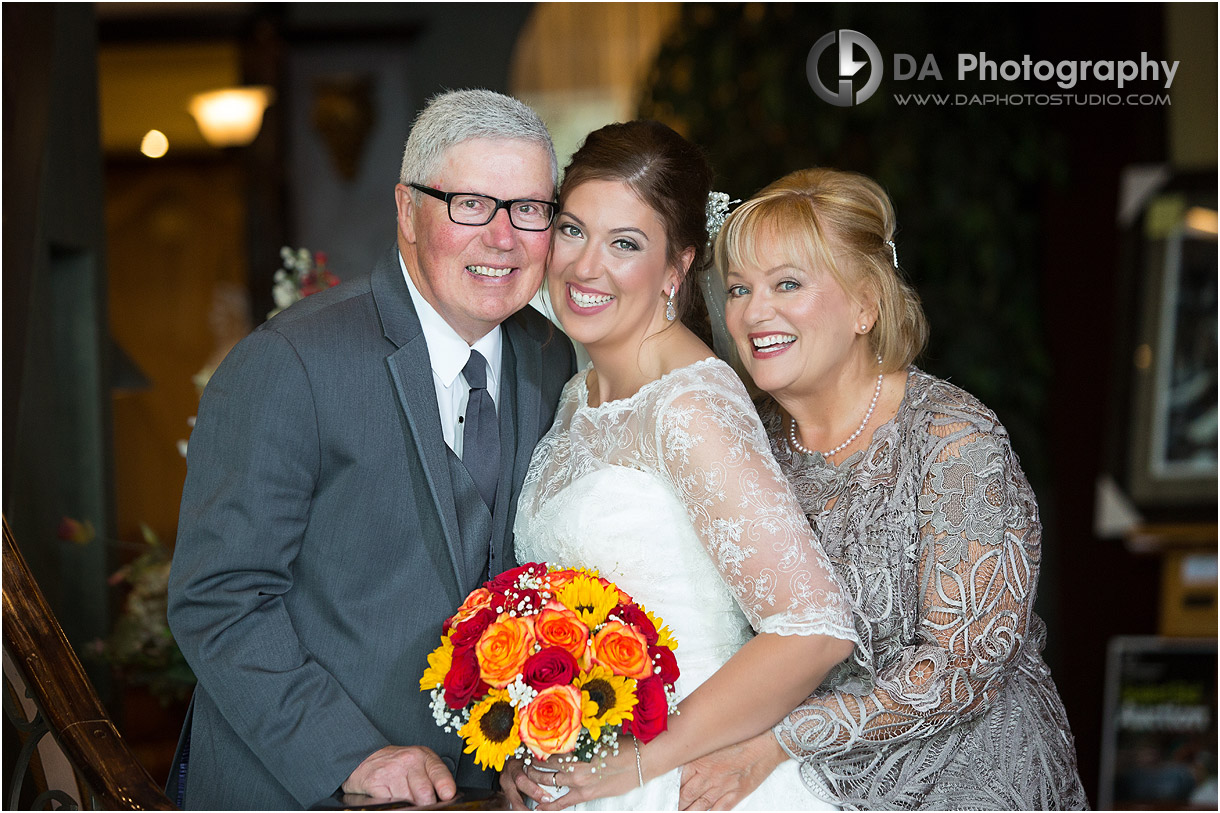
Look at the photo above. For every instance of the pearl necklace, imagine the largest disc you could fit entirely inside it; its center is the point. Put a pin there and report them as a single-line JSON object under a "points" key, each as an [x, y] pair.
{"points": [[796, 444]]}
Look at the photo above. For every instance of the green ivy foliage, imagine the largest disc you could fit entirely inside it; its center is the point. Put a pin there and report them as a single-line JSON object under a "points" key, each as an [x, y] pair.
{"points": [[966, 180]]}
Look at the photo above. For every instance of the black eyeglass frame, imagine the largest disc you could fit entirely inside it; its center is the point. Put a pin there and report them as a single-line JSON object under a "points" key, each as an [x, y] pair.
{"points": [[447, 197]]}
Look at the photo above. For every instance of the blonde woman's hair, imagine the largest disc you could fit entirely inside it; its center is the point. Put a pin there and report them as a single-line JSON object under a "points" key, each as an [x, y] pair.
{"points": [[841, 222]]}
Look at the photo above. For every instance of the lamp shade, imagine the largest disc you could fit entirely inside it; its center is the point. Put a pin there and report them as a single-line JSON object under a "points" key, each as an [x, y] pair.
{"points": [[230, 117]]}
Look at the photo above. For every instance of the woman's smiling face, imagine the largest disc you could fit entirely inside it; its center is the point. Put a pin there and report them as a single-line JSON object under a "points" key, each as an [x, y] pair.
{"points": [[795, 327], [609, 275]]}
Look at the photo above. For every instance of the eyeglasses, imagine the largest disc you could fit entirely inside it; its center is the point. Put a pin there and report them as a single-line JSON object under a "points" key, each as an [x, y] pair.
{"points": [[469, 209]]}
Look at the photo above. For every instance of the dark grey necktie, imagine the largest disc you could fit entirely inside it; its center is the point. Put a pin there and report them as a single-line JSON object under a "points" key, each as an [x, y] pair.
{"points": [[481, 431]]}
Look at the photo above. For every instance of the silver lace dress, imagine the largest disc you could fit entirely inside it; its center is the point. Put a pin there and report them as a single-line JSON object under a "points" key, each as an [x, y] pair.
{"points": [[947, 703]]}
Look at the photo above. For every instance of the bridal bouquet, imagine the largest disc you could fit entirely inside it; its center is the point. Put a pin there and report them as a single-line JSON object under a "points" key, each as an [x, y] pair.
{"points": [[542, 661]]}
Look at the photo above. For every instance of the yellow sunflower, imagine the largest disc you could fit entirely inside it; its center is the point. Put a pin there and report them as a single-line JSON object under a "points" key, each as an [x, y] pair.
{"points": [[439, 662], [589, 599], [607, 699], [491, 733], [664, 636]]}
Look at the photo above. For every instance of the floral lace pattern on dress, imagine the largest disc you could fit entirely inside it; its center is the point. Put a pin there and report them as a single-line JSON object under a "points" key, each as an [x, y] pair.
{"points": [[947, 703], [696, 431]]}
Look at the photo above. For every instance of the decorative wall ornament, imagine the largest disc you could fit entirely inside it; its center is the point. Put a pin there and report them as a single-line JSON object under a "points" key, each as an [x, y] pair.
{"points": [[344, 116]]}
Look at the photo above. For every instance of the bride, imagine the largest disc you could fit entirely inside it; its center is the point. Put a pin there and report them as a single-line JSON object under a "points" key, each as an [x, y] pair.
{"points": [[657, 473]]}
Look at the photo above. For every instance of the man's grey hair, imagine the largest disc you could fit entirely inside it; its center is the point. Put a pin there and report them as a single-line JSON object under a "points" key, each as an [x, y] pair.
{"points": [[455, 116]]}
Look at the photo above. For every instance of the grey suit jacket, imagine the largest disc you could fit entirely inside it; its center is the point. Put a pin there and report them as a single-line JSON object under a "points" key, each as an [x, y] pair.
{"points": [[322, 541]]}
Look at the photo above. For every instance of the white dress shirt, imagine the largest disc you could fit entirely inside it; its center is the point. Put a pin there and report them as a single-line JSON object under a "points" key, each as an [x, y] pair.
{"points": [[449, 353]]}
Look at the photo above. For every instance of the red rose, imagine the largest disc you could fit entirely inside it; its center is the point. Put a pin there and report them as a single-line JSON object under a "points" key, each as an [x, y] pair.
{"points": [[663, 657], [477, 600], [651, 713], [552, 666], [462, 682], [509, 577], [467, 632], [633, 615]]}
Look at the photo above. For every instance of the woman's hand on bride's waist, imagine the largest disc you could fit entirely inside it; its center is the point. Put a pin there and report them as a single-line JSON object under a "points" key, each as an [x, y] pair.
{"points": [[723, 778]]}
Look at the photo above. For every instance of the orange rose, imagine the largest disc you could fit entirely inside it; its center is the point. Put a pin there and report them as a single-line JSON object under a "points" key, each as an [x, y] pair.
{"points": [[550, 723], [474, 602], [503, 649], [623, 650], [561, 577], [558, 626]]}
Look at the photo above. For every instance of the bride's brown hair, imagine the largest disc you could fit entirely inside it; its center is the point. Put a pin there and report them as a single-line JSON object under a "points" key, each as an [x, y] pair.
{"points": [[668, 173]]}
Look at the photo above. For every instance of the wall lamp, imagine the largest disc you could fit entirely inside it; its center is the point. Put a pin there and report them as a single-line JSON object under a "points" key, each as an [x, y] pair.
{"points": [[231, 117]]}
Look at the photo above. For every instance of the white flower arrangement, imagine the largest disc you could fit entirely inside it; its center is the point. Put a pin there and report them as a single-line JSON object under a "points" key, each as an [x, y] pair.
{"points": [[304, 273]]}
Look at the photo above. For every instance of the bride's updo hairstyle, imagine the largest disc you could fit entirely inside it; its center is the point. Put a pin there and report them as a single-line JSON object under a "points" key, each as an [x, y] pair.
{"points": [[669, 174], [842, 222]]}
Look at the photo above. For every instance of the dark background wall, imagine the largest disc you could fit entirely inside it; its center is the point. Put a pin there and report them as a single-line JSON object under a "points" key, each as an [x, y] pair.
{"points": [[57, 365]]}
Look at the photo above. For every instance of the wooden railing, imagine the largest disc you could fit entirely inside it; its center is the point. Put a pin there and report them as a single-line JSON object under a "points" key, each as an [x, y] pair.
{"points": [[84, 763]]}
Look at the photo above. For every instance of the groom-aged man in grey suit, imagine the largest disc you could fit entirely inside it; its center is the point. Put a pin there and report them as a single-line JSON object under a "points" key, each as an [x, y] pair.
{"points": [[354, 473]]}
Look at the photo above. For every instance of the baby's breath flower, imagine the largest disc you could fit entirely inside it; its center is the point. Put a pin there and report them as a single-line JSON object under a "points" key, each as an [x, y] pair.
{"points": [[520, 693]]}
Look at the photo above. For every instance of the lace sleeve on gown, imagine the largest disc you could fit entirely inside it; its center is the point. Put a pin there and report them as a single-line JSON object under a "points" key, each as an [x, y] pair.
{"points": [[980, 549], [715, 452]]}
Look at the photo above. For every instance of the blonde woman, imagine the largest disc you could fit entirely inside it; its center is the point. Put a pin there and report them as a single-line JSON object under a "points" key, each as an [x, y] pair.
{"points": [[912, 487]]}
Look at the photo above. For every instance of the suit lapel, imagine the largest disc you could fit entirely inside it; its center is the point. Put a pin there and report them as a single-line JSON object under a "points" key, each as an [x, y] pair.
{"points": [[411, 370]]}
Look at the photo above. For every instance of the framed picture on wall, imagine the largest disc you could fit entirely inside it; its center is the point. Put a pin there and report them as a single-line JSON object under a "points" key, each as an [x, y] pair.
{"points": [[1173, 430]]}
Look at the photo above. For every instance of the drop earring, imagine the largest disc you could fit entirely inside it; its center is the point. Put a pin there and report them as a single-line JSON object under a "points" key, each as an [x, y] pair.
{"points": [[671, 312]]}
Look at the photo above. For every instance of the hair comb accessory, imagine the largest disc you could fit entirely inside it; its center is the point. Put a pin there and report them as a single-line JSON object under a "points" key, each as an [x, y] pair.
{"points": [[714, 290], [717, 210], [893, 251]]}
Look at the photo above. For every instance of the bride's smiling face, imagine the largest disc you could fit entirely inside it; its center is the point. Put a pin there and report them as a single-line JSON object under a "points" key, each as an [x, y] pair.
{"points": [[608, 275]]}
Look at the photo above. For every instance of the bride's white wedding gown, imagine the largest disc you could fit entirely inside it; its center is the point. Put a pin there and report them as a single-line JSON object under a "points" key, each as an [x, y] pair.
{"points": [[673, 494]]}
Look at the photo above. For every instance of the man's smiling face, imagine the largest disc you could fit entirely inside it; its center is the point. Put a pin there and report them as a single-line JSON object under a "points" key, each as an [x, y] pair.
{"points": [[477, 276]]}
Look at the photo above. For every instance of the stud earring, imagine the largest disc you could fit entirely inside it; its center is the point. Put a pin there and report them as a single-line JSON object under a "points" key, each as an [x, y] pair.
{"points": [[671, 313]]}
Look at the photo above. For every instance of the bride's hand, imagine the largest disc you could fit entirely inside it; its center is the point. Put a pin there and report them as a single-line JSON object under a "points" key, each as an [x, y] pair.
{"points": [[539, 784], [723, 778], [614, 776], [515, 784]]}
